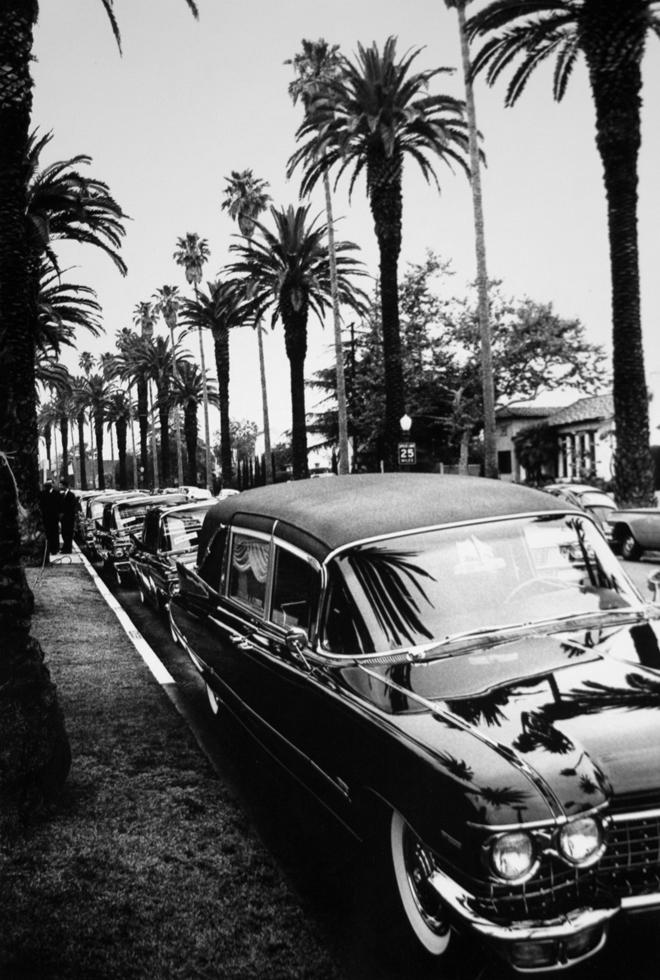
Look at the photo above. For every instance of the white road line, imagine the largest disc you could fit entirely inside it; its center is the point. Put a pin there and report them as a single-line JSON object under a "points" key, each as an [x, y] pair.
{"points": [[159, 671]]}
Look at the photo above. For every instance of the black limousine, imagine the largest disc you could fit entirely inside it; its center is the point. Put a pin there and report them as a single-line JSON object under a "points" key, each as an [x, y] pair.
{"points": [[460, 669]]}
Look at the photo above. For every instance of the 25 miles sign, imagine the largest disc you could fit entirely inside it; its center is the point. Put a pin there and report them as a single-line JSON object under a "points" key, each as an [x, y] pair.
{"points": [[407, 453]]}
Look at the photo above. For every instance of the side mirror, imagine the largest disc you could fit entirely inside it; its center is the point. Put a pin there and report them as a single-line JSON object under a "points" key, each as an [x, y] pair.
{"points": [[653, 584]]}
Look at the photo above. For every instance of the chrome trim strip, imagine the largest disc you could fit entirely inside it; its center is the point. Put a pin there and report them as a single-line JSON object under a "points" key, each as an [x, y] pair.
{"points": [[459, 899], [636, 815], [633, 902], [559, 821], [440, 527]]}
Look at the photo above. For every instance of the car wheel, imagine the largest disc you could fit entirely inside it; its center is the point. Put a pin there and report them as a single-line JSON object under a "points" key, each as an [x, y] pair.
{"points": [[412, 864], [213, 700], [630, 550]]}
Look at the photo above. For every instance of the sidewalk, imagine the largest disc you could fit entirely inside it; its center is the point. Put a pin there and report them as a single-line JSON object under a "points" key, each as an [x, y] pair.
{"points": [[148, 867]]}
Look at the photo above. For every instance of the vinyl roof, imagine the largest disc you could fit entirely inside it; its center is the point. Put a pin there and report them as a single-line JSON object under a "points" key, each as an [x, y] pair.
{"points": [[324, 514]]}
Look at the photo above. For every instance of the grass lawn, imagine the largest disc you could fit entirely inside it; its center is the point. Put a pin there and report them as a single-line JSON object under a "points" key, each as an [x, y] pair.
{"points": [[148, 867]]}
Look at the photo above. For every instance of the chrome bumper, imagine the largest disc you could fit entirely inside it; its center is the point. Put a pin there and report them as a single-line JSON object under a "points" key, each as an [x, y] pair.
{"points": [[565, 940]]}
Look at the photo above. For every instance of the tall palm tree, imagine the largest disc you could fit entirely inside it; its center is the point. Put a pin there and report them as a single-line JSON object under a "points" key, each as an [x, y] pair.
{"points": [[289, 272], [192, 252], [86, 365], [369, 117], [27, 690], [155, 359], [611, 36], [167, 302], [317, 62], [79, 406], [246, 197], [128, 344], [98, 394], [46, 421], [487, 381], [145, 318], [189, 394], [119, 413], [220, 309]]}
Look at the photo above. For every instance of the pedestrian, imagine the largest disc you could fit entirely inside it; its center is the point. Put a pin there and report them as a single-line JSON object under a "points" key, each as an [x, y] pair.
{"points": [[49, 500], [68, 508]]}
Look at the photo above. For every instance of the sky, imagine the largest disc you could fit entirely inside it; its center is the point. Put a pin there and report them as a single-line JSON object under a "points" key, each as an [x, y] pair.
{"points": [[189, 101]]}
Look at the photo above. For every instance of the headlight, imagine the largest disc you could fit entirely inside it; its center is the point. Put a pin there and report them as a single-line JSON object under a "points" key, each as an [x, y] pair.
{"points": [[580, 841], [512, 856]]}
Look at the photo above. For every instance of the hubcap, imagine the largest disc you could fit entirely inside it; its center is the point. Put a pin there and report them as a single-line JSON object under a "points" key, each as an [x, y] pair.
{"points": [[419, 868]]}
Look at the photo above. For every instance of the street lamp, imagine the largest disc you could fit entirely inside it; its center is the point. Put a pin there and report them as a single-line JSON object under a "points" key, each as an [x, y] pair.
{"points": [[405, 422]]}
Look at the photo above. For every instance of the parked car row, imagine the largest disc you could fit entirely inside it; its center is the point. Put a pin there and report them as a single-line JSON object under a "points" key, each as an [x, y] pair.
{"points": [[630, 531], [460, 670]]}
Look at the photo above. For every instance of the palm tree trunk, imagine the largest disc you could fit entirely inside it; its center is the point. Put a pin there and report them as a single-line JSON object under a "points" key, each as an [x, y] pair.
{"points": [[190, 432], [91, 450], [81, 451], [152, 431], [18, 409], [221, 347], [48, 443], [295, 336], [264, 406], [121, 426], [342, 413], [100, 472], [164, 418], [177, 420], [64, 439], [112, 456], [618, 137], [488, 387], [143, 421], [384, 181], [205, 396], [135, 462]]}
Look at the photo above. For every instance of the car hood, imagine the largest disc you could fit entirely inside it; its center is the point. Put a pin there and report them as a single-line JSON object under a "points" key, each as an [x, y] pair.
{"points": [[536, 728]]}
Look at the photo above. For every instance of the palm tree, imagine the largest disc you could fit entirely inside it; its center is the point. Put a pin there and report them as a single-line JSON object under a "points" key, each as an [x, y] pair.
{"points": [[145, 318], [119, 413], [79, 405], [167, 302], [192, 253], [155, 360], [86, 365], [219, 310], [62, 406], [189, 394], [46, 421], [98, 395], [245, 199], [369, 117], [487, 382], [129, 344], [611, 36], [27, 690], [289, 272], [317, 62]]}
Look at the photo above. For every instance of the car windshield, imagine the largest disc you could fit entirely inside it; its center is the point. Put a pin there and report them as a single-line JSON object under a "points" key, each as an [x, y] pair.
{"points": [[426, 587], [130, 515]]}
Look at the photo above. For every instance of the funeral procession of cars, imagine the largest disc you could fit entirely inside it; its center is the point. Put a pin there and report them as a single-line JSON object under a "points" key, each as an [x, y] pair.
{"points": [[460, 670]]}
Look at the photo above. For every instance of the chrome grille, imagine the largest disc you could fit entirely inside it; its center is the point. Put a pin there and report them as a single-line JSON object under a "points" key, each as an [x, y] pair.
{"points": [[629, 866]]}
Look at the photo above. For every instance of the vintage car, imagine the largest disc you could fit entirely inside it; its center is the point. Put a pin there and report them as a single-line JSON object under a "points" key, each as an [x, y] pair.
{"points": [[462, 672], [90, 516], [169, 534], [596, 502], [634, 531], [121, 518]]}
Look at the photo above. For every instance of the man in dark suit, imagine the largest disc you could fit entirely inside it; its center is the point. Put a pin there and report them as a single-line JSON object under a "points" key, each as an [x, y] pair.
{"points": [[68, 507], [49, 499]]}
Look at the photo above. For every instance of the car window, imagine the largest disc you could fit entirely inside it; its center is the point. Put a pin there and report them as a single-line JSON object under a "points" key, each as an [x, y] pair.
{"points": [[296, 588], [180, 531], [248, 570]]}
